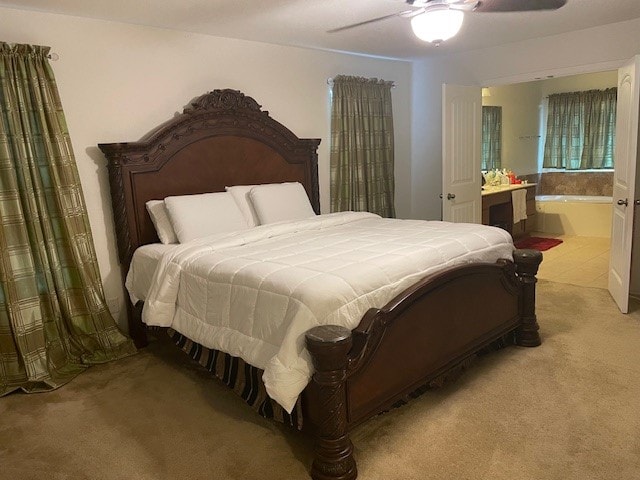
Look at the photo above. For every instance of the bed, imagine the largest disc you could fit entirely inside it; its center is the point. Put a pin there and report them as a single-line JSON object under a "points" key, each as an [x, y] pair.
{"points": [[427, 329]]}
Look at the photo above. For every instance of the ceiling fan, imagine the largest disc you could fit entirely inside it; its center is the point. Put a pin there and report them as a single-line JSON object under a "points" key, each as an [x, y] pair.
{"points": [[438, 20]]}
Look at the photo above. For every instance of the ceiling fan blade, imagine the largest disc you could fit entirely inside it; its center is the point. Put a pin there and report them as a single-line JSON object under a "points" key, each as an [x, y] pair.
{"points": [[373, 20], [490, 6]]}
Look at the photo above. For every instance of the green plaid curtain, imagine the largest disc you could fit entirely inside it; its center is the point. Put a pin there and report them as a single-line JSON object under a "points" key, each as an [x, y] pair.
{"points": [[581, 130], [53, 318], [491, 138], [361, 159]]}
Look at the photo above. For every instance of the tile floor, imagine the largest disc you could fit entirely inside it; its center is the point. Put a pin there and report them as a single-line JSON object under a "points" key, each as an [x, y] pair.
{"points": [[580, 261]]}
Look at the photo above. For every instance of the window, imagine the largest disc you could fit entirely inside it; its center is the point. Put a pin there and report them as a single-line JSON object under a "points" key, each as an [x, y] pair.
{"points": [[491, 138], [581, 130]]}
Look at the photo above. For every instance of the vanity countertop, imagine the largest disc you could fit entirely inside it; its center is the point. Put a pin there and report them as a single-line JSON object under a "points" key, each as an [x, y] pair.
{"points": [[489, 190]]}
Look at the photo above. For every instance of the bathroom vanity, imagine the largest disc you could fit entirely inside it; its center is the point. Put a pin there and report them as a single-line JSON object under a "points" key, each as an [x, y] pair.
{"points": [[497, 208]]}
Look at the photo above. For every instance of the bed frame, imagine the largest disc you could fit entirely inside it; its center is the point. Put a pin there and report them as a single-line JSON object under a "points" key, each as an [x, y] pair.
{"points": [[224, 138]]}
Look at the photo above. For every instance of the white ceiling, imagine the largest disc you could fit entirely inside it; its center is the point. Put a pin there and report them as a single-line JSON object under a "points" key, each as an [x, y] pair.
{"points": [[305, 22]]}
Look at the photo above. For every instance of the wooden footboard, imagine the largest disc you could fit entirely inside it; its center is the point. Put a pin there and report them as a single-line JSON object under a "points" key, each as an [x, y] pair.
{"points": [[416, 337]]}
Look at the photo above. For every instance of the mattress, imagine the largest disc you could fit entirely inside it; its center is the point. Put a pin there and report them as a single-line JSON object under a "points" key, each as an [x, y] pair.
{"points": [[254, 294], [143, 265]]}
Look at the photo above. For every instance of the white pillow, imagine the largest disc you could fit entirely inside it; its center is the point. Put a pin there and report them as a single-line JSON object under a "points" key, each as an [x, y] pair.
{"points": [[160, 219], [197, 216], [279, 202], [240, 194]]}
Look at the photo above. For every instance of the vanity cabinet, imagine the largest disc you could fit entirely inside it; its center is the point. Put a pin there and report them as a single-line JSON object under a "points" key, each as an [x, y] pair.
{"points": [[497, 209]]}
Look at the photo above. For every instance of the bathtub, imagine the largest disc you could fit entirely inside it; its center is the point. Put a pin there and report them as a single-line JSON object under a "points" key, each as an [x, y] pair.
{"points": [[579, 215]]}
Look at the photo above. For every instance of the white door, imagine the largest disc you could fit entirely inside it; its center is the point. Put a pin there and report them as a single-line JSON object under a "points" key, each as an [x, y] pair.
{"points": [[626, 158], [461, 150]]}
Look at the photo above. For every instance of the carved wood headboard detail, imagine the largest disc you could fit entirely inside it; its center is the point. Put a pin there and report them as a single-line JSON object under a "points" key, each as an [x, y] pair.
{"points": [[222, 138]]}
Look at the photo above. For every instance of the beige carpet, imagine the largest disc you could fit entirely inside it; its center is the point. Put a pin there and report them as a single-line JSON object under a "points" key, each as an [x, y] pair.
{"points": [[569, 409]]}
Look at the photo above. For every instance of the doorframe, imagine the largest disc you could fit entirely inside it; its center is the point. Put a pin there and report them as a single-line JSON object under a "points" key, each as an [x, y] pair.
{"points": [[566, 72]]}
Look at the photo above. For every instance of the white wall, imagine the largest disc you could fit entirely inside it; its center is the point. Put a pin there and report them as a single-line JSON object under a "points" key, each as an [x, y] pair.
{"points": [[118, 81], [521, 107], [595, 49]]}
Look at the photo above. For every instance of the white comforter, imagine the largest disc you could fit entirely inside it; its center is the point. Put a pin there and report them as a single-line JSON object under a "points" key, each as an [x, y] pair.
{"points": [[253, 294]]}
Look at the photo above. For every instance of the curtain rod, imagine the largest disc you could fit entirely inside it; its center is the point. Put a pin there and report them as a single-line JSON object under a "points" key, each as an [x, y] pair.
{"points": [[53, 56], [330, 82], [583, 91]]}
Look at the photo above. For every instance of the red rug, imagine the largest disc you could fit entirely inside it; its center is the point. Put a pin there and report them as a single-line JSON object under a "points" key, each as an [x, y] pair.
{"points": [[538, 243]]}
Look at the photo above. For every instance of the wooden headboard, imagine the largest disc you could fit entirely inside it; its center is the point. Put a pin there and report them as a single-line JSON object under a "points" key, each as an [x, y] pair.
{"points": [[222, 138]]}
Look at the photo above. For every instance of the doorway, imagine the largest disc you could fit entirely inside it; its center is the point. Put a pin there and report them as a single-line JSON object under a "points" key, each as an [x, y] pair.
{"points": [[573, 205]]}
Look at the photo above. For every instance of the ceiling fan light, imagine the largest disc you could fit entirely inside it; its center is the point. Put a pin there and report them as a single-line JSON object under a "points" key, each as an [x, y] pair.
{"points": [[437, 25]]}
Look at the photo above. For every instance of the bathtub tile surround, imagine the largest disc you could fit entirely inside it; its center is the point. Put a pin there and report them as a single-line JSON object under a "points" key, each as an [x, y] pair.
{"points": [[573, 203], [572, 183]]}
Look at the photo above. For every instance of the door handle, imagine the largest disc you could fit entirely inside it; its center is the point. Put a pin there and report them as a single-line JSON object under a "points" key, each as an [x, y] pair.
{"points": [[451, 196], [624, 202], [637, 202]]}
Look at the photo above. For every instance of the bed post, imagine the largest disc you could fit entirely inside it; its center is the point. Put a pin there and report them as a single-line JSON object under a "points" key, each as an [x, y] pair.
{"points": [[137, 329], [527, 263], [329, 346]]}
